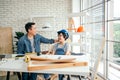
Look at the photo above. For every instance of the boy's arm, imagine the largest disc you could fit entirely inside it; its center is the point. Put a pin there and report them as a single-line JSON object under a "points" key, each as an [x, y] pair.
{"points": [[51, 51], [68, 51]]}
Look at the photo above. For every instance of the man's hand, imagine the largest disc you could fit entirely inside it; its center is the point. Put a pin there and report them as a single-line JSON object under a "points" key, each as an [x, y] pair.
{"points": [[55, 40]]}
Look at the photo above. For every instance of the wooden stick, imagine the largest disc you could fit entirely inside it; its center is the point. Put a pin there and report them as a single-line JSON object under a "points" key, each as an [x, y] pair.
{"points": [[58, 65], [99, 56], [53, 61], [47, 59], [39, 58]]}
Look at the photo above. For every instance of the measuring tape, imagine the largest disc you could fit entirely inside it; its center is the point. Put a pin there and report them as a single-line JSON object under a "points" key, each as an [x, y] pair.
{"points": [[27, 58]]}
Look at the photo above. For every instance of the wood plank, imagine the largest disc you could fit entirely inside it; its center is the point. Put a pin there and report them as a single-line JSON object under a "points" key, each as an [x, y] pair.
{"points": [[6, 40], [54, 61], [39, 58], [99, 56], [56, 65]]}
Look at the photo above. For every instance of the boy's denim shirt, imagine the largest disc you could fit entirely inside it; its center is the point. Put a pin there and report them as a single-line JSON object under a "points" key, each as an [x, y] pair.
{"points": [[24, 44]]}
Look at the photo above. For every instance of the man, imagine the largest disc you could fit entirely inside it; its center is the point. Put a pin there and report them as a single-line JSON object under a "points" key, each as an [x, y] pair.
{"points": [[31, 43]]}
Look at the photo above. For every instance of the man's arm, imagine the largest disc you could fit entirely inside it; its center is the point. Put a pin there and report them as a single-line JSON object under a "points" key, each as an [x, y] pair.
{"points": [[20, 47], [46, 40]]}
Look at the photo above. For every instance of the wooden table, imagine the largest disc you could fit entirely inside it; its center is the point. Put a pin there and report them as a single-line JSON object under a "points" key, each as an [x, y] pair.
{"points": [[20, 66]]}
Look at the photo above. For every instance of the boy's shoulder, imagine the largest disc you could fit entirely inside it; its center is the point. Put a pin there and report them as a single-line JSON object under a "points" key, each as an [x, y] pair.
{"points": [[54, 44]]}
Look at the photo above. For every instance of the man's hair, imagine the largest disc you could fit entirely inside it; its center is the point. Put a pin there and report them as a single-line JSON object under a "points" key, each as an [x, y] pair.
{"points": [[29, 25], [64, 35]]}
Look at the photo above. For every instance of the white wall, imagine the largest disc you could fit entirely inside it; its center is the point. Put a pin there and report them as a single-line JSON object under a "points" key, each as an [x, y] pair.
{"points": [[76, 9], [16, 13], [75, 5]]}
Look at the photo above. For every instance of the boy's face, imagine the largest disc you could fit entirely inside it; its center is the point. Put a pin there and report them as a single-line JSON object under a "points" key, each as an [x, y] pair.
{"points": [[32, 30], [61, 38]]}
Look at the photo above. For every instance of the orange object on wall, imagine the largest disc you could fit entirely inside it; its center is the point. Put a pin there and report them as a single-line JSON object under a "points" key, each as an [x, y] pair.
{"points": [[80, 29], [72, 22], [71, 25]]}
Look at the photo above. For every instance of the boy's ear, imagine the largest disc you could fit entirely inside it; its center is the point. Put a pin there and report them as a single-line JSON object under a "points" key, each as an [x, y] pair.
{"points": [[65, 37]]}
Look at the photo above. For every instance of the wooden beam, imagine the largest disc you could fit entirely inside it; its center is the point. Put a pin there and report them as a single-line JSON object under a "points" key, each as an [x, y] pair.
{"points": [[38, 61], [56, 65]]}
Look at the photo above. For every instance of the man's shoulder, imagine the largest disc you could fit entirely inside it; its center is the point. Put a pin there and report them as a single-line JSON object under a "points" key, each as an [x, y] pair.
{"points": [[23, 38], [37, 35]]}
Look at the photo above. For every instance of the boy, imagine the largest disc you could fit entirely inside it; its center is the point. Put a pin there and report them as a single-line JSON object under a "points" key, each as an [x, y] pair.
{"points": [[61, 47]]}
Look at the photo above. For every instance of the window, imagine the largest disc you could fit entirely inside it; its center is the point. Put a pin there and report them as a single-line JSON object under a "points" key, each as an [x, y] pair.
{"points": [[94, 24], [113, 33], [103, 21]]}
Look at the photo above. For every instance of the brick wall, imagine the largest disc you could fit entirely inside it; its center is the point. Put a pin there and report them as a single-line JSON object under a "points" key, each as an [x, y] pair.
{"points": [[15, 13]]}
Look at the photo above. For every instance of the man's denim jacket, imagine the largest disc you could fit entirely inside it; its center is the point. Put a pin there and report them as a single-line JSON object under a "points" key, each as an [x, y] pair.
{"points": [[24, 44]]}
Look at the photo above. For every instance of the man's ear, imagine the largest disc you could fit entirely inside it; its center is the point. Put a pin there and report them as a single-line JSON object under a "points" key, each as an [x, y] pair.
{"points": [[29, 30]]}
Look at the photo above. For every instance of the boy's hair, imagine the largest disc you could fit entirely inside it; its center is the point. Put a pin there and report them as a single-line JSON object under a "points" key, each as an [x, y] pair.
{"points": [[64, 35], [29, 25]]}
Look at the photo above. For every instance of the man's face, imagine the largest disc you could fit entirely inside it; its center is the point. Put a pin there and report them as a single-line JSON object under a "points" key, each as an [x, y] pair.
{"points": [[32, 30], [61, 38]]}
